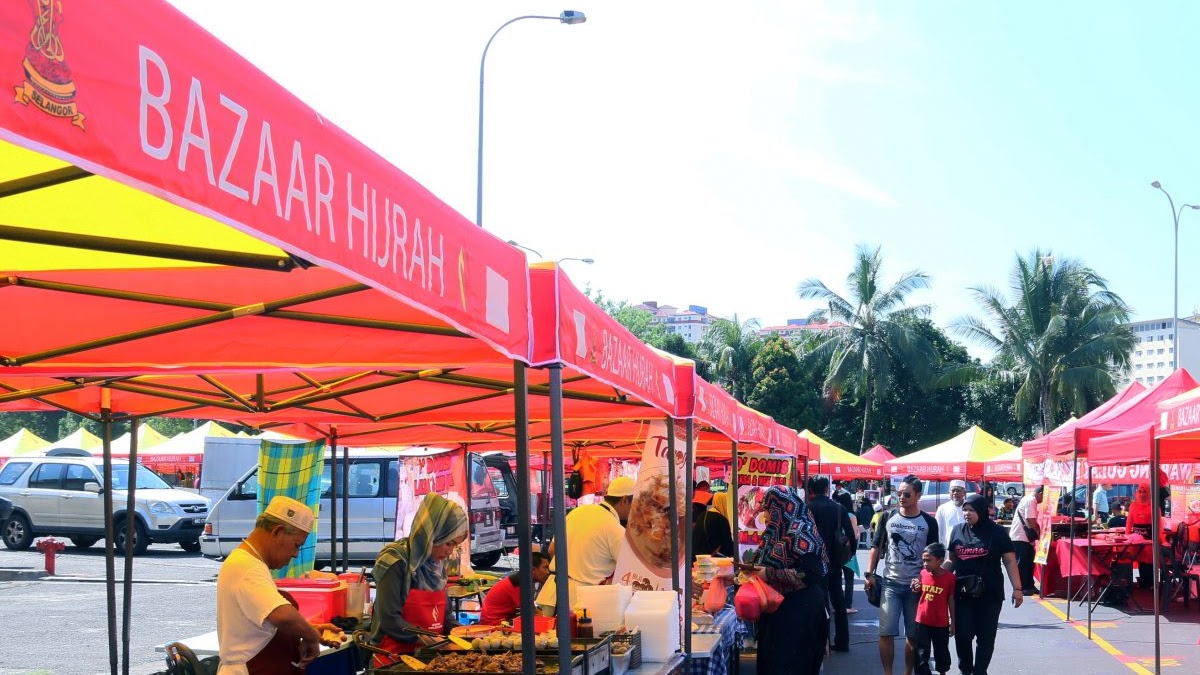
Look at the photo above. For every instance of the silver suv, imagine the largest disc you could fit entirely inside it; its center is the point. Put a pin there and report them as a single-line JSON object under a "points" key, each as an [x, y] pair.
{"points": [[63, 496]]}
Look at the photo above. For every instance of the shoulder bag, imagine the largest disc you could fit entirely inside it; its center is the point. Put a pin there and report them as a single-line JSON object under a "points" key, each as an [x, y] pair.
{"points": [[968, 587], [875, 592], [1030, 533]]}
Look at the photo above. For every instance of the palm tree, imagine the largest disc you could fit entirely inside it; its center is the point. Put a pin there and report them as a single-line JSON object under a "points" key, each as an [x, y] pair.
{"points": [[1060, 339], [729, 347], [869, 334]]}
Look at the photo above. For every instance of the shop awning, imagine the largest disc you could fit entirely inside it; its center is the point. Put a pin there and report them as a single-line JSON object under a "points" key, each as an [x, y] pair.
{"points": [[829, 459]]}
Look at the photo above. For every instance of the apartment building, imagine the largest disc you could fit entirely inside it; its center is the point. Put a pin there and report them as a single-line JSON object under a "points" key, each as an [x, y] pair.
{"points": [[1153, 356], [690, 323]]}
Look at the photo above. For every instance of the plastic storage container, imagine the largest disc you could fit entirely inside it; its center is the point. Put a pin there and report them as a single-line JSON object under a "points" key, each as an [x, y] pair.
{"points": [[541, 624], [320, 599], [656, 614], [606, 605]]}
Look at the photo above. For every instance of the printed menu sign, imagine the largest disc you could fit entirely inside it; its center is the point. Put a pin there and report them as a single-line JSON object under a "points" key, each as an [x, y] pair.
{"points": [[756, 473]]}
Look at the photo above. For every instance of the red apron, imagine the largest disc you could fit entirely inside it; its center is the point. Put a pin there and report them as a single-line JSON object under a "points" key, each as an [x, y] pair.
{"points": [[279, 654], [423, 609]]}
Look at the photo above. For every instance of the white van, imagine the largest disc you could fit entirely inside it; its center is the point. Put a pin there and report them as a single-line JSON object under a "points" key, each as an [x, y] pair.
{"points": [[373, 486]]}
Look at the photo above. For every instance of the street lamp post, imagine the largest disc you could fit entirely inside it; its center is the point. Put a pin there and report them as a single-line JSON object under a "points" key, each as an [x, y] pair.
{"points": [[1176, 214], [585, 261], [531, 250], [569, 17]]}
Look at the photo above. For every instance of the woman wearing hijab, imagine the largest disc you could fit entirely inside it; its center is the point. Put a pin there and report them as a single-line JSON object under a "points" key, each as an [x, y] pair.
{"points": [[978, 549], [793, 639], [711, 533], [410, 577]]}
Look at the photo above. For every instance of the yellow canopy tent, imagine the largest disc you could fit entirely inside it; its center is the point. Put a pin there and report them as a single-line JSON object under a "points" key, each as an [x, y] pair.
{"points": [[23, 442], [960, 457], [834, 461]]}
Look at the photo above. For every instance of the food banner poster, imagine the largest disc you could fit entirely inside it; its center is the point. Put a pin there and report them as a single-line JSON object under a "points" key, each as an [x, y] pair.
{"points": [[1185, 503], [1046, 511], [756, 473], [644, 561], [443, 473]]}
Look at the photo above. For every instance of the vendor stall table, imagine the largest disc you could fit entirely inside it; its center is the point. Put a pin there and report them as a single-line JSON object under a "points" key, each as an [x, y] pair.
{"points": [[343, 660], [714, 645], [1052, 575]]}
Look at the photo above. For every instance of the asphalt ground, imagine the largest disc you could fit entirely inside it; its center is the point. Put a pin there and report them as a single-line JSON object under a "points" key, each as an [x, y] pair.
{"points": [[57, 626]]}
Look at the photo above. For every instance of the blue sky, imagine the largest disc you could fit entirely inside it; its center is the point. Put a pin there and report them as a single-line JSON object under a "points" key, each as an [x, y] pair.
{"points": [[719, 153]]}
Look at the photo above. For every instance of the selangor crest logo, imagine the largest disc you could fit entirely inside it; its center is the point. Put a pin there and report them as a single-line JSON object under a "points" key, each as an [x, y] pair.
{"points": [[48, 85]]}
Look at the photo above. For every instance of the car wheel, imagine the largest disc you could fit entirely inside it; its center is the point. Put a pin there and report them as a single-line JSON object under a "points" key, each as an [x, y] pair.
{"points": [[84, 542], [140, 541], [485, 560], [1012, 492], [191, 545], [18, 535]]}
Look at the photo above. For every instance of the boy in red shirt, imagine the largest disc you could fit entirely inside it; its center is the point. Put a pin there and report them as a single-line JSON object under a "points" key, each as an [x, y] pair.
{"points": [[935, 611]]}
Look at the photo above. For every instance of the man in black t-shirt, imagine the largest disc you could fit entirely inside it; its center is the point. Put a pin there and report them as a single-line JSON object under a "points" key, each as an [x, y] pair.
{"points": [[832, 518]]}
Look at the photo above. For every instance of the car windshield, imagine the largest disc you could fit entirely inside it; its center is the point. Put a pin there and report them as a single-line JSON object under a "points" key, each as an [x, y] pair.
{"points": [[146, 479]]}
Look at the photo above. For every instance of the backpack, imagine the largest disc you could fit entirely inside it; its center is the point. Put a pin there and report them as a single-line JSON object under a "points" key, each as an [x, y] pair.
{"points": [[846, 547], [574, 485]]}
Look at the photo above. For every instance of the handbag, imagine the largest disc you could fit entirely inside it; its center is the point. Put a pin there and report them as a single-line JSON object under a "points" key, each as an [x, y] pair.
{"points": [[875, 592], [969, 587]]}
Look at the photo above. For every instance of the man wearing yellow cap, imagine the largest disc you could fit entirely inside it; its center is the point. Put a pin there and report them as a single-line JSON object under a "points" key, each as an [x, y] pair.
{"points": [[594, 534], [260, 631]]}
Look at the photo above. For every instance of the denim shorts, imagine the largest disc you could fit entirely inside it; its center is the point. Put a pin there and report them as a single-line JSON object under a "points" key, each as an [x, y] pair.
{"points": [[897, 598]]}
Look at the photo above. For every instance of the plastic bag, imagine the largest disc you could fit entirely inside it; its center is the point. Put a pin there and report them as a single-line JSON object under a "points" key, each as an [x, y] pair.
{"points": [[771, 598], [714, 596], [747, 602]]}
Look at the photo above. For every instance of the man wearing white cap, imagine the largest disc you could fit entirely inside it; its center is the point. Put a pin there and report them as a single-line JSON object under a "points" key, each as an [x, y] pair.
{"points": [[594, 534], [258, 629], [950, 514]]}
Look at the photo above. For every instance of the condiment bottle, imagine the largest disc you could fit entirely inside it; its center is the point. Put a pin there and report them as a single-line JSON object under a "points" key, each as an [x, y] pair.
{"points": [[585, 625], [573, 618]]}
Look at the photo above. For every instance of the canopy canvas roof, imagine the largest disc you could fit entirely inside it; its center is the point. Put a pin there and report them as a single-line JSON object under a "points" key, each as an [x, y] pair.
{"points": [[878, 453], [1038, 448], [1137, 411], [1008, 465], [834, 461], [81, 439], [960, 457], [1177, 433], [22, 442], [147, 437]]}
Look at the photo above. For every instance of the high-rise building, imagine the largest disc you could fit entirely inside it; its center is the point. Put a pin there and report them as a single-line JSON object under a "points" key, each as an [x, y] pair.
{"points": [[1153, 357]]}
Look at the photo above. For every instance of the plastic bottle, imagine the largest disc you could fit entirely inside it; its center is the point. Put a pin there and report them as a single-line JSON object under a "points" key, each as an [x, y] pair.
{"points": [[585, 624], [573, 618]]}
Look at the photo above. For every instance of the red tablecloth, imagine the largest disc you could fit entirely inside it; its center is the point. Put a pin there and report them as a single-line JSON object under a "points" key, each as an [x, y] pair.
{"points": [[1070, 556]]}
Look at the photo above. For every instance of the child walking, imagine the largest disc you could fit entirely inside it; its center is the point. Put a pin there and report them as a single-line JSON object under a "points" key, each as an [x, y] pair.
{"points": [[935, 611]]}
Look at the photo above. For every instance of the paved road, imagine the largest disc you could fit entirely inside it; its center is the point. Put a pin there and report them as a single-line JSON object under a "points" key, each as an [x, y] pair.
{"points": [[57, 627]]}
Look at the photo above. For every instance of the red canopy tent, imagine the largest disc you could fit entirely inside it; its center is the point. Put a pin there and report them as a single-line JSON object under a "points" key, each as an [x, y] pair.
{"points": [[1038, 448], [878, 454], [1138, 410]]}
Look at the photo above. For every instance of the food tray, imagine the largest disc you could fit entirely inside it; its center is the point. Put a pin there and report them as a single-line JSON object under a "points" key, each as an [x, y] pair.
{"points": [[596, 654], [634, 640], [544, 666]]}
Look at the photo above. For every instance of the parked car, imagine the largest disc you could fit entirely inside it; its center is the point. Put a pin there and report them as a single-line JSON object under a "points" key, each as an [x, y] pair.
{"points": [[64, 496], [5, 509], [501, 475]]}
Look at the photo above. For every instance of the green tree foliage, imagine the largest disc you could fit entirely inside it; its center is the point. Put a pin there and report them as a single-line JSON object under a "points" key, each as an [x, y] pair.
{"points": [[1059, 338], [640, 323], [728, 348], [780, 388], [871, 336], [44, 424]]}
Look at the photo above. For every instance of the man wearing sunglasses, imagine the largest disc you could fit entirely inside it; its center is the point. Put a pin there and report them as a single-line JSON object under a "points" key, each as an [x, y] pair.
{"points": [[899, 542]]}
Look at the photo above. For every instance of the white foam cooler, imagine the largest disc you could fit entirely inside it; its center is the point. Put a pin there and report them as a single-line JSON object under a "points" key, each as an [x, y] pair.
{"points": [[605, 605], [656, 614]]}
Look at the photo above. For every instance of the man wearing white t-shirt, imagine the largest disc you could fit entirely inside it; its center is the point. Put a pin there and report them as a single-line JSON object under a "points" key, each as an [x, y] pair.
{"points": [[594, 535], [258, 629], [950, 514]]}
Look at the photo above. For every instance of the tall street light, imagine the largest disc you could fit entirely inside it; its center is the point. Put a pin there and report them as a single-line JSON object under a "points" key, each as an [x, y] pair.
{"points": [[585, 261], [531, 250], [1176, 214], [569, 17]]}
